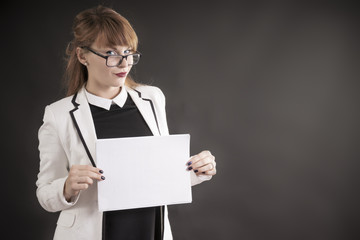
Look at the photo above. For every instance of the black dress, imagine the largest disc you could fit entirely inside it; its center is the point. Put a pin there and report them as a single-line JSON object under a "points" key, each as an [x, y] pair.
{"points": [[132, 224]]}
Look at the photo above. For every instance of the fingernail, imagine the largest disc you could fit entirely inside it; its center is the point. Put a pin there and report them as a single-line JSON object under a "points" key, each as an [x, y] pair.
{"points": [[102, 177], [195, 171], [101, 171], [189, 168], [189, 163]]}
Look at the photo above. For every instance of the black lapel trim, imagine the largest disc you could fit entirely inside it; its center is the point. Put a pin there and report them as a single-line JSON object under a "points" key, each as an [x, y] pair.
{"points": [[162, 221], [152, 108], [76, 105]]}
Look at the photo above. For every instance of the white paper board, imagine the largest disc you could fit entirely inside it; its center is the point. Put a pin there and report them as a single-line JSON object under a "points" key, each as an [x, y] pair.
{"points": [[143, 171]]}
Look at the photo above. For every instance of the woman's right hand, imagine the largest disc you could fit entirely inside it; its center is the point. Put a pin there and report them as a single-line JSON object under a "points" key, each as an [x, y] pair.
{"points": [[80, 178]]}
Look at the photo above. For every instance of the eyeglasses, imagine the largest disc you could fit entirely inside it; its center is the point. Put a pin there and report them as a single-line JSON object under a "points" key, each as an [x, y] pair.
{"points": [[116, 60]]}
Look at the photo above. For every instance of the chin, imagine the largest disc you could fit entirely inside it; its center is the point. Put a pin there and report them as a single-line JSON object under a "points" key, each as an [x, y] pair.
{"points": [[120, 83]]}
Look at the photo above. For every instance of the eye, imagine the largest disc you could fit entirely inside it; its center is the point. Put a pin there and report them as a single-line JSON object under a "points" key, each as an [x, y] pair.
{"points": [[127, 51], [111, 52]]}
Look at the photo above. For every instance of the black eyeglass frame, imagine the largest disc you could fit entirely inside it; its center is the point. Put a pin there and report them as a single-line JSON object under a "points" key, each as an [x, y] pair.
{"points": [[106, 57]]}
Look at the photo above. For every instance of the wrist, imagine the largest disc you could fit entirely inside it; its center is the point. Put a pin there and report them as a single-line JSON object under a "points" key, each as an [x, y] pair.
{"points": [[66, 194]]}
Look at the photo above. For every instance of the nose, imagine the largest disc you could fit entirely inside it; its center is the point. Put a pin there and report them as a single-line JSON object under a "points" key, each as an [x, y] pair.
{"points": [[123, 63]]}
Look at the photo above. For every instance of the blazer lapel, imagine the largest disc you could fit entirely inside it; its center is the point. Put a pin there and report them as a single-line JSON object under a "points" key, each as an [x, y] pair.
{"points": [[82, 118], [147, 110]]}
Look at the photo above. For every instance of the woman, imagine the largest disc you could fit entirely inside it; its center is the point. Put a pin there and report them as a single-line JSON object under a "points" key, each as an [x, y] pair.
{"points": [[102, 102]]}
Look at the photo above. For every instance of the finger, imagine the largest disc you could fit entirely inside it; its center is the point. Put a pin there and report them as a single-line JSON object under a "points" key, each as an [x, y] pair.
{"points": [[75, 173], [205, 168], [93, 175], [86, 168], [203, 162], [209, 173], [198, 157], [87, 180], [204, 153], [79, 186]]}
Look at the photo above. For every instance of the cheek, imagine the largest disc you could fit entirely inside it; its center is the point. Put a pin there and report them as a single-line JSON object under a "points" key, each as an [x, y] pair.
{"points": [[99, 67], [103, 72], [128, 70]]}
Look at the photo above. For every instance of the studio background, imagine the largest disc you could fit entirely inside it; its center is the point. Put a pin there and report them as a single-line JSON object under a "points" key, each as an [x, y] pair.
{"points": [[270, 87]]}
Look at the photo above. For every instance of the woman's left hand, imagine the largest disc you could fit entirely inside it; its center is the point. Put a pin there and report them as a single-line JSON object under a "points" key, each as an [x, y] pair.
{"points": [[202, 164]]}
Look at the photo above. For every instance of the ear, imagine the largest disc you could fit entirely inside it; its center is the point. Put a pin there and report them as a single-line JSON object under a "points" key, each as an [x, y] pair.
{"points": [[81, 56]]}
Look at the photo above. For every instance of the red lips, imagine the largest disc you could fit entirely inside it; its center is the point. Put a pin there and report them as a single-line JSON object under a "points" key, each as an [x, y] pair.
{"points": [[122, 74]]}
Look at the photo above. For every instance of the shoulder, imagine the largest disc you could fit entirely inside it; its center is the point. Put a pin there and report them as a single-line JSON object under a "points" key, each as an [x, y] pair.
{"points": [[59, 110], [63, 104], [150, 92]]}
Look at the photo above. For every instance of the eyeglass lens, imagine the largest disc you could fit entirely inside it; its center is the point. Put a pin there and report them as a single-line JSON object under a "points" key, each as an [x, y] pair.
{"points": [[130, 59]]}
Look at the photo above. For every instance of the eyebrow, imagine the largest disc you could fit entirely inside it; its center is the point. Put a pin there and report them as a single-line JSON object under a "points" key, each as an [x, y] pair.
{"points": [[115, 49]]}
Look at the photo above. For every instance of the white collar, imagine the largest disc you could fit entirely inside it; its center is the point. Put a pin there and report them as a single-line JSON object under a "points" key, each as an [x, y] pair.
{"points": [[105, 103]]}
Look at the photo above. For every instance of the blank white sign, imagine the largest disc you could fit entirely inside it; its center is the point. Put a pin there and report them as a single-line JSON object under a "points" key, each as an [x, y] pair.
{"points": [[143, 171]]}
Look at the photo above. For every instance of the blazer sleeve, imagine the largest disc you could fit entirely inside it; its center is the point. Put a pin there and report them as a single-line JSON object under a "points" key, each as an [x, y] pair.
{"points": [[54, 167], [195, 179]]}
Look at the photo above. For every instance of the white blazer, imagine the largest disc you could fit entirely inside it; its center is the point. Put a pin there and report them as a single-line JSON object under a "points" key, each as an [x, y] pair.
{"points": [[67, 137]]}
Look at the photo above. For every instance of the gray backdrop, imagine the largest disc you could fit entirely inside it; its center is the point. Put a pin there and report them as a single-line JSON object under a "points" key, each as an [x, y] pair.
{"points": [[270, 87]]}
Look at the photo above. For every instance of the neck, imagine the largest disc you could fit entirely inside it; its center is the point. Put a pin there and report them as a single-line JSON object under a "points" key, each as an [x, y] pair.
{"points": [[109, 92]]}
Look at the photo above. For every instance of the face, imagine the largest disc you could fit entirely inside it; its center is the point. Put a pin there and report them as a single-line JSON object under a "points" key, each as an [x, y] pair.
{"points": [[103, 80]]}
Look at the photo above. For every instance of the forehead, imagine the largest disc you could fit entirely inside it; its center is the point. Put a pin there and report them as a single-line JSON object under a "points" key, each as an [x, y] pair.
{"points": [[106, 45], [115, 42], [119, 48]]}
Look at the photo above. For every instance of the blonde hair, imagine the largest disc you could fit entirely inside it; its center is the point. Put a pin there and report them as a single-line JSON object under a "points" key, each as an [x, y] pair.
{"points": [[104, 26]]}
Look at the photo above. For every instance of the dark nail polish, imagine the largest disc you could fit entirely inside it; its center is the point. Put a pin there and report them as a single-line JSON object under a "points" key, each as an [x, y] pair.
{"points": [[102, 177], [189, 168], [189, 163], [195, 171], [101, 171]]}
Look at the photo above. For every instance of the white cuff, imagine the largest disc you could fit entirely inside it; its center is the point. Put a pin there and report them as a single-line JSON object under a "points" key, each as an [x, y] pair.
{"points": [[196, 179]]}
